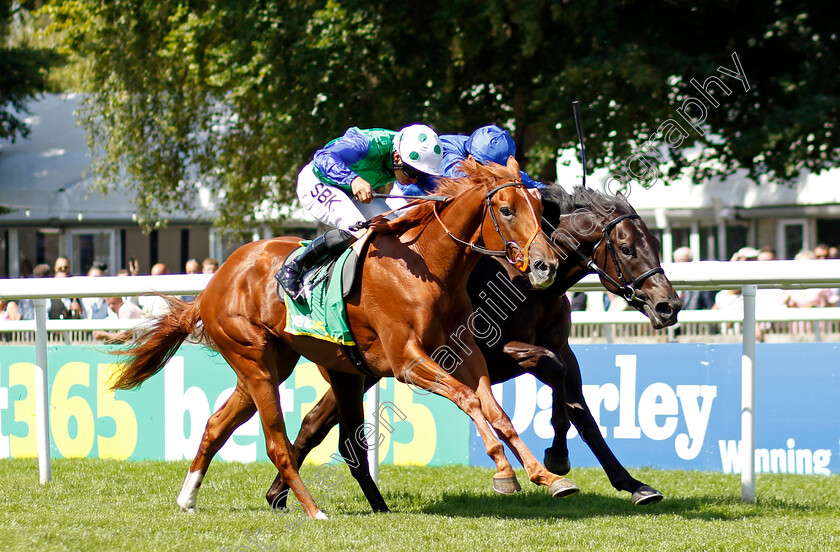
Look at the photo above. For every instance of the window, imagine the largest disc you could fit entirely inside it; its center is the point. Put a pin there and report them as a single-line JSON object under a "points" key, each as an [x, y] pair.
{"points": [[86, 246], [791, 237], [736, 238], [708, 243]]}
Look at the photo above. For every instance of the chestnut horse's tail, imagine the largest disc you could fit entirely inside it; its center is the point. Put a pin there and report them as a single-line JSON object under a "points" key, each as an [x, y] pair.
{"points": [[152, 349]]}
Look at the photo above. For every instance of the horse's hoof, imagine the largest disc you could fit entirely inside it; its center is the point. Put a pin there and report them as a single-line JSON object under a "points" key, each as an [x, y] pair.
{"points": [[563, 487], [556, 463], [645, 495], [187, 509], [506, 485]]}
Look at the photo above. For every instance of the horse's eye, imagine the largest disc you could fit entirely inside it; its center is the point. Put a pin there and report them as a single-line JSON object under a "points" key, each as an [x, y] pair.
{"points": [[626, 249], [505, 211]]}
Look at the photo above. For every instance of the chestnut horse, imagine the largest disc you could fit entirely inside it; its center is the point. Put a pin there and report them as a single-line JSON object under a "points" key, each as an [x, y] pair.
{"points": [[594, 233], [410, 296]]}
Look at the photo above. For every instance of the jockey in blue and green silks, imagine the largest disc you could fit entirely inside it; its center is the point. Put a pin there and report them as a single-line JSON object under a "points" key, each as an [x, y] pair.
{"points": [[336, 187], [487, 144]]}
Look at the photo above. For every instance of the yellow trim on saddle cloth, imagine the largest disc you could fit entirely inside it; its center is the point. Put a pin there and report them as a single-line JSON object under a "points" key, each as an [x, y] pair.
{"points": [[322, 314]]}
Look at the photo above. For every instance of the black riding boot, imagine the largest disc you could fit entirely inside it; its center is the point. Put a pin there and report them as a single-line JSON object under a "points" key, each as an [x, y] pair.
{"points": [[333, 241]]}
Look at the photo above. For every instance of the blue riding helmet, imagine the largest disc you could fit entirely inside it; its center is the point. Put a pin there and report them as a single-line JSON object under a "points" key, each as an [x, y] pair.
{"points": [[491, 144]]}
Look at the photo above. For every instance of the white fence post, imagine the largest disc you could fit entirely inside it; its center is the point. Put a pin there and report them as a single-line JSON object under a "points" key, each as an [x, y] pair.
{"points": [[698, 275], [42, 397], [373, 451], [748, 397]]}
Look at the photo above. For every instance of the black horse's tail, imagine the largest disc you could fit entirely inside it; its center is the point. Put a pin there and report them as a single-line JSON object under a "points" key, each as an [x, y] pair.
{"points": [[151, 350]]}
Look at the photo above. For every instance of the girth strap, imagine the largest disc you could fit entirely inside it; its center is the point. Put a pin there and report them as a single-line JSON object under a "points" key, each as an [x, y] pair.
{"points": [[355, 356]]}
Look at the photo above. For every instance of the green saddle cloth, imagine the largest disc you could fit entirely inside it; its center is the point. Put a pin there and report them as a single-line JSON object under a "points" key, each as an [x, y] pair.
{"points": [[321, 314]]}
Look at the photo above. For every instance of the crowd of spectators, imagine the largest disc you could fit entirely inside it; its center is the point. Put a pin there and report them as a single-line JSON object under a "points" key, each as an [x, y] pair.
{"points": [[766, 299], [99, 307], [153, 305]]}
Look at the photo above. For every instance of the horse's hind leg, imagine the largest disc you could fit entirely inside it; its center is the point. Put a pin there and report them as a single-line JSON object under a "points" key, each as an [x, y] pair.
{"points": [[582, 418], [237, 410], [261, 368], [313, 430], [349, 390]]}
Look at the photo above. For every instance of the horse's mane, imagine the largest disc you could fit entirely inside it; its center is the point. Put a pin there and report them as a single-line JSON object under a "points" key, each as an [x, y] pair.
{"points": [[477, 175], [557, 201]]}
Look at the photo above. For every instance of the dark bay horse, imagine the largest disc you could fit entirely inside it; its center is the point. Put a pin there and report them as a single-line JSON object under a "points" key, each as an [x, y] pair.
{"points": [[593, 233], [411, 295]]}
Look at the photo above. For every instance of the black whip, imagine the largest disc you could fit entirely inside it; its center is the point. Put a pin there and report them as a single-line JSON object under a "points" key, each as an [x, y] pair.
{"points": [[425, 197], [579, 126]]}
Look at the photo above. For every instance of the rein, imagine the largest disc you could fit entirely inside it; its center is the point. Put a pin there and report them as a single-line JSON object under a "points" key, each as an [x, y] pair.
{"points": [[415, 200], [628, 285], [520, 257]]}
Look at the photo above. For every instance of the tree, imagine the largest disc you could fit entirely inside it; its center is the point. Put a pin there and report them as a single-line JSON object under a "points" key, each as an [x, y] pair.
{"points": [[237, 95], [23, 72]]}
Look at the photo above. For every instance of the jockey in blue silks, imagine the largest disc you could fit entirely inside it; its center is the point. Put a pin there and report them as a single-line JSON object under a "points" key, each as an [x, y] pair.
{"points": [[487, 144], [337, 187]]}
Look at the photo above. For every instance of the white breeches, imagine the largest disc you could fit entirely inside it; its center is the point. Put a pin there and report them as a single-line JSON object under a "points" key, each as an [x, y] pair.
{"points": [[332, 205]]}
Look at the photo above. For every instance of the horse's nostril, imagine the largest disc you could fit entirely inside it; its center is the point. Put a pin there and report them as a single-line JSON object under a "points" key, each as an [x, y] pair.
{"points": [[541, 266], [664, 309]]}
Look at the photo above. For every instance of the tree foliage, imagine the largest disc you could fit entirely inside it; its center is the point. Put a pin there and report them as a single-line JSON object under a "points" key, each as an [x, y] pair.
{"points": [[23, 71], [237, 95]]}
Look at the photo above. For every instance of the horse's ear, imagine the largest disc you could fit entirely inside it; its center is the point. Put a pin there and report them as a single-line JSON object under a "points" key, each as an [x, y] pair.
{"points": [[513, 166], [468, 166], [623, 200]]}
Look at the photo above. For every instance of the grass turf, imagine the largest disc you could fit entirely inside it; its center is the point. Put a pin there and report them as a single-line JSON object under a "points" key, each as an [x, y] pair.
{"points": [[97, 505]]}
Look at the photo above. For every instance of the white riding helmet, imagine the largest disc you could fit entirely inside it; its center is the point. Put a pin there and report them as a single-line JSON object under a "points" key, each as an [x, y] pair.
{"points": [[420, 148]]}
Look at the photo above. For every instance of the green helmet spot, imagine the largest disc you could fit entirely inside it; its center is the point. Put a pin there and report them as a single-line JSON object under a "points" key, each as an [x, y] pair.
{"points": [[414, 156], [421, 137], [437, 149]]}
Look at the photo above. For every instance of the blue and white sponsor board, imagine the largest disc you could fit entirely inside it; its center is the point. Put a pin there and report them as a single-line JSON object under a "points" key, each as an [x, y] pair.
{"points": [[673, 406], [678, 406]]}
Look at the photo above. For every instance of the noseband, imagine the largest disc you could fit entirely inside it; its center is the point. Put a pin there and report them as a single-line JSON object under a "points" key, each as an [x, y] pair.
{"points": [[628, 286], [514, 254]]}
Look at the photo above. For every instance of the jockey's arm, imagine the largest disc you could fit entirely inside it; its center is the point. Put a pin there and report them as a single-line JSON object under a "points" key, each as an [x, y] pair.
{"points": [[530, 182], [334, 160]]}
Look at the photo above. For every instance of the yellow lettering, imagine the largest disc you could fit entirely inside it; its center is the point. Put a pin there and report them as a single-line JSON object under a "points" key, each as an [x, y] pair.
{"points": [[64, 407], [122, 444], [421, 449]]}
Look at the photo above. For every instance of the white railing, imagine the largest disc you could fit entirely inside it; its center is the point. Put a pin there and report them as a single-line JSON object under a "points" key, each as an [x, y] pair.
{"points": [[749, 276]]}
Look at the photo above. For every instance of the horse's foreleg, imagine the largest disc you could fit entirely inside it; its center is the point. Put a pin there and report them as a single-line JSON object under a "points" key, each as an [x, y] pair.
{"points": [[549, 369], [237, 410], [314, 428], [537, 473], [422, 372], [580, 415]]}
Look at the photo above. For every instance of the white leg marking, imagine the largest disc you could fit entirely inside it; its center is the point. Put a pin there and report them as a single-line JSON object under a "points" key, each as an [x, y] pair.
{"points": [[189, 492]]}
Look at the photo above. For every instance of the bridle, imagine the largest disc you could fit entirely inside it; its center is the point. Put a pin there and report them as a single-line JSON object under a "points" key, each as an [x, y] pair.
{"points": [[628, 285], [515, 255]]}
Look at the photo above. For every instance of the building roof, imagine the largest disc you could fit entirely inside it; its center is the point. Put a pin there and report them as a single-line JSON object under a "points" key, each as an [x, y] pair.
{"points": [[810, 194], [42, 177]]}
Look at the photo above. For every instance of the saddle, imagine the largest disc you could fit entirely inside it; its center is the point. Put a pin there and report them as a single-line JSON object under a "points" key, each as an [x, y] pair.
{"points": [[319, 310], [325, 270]]}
